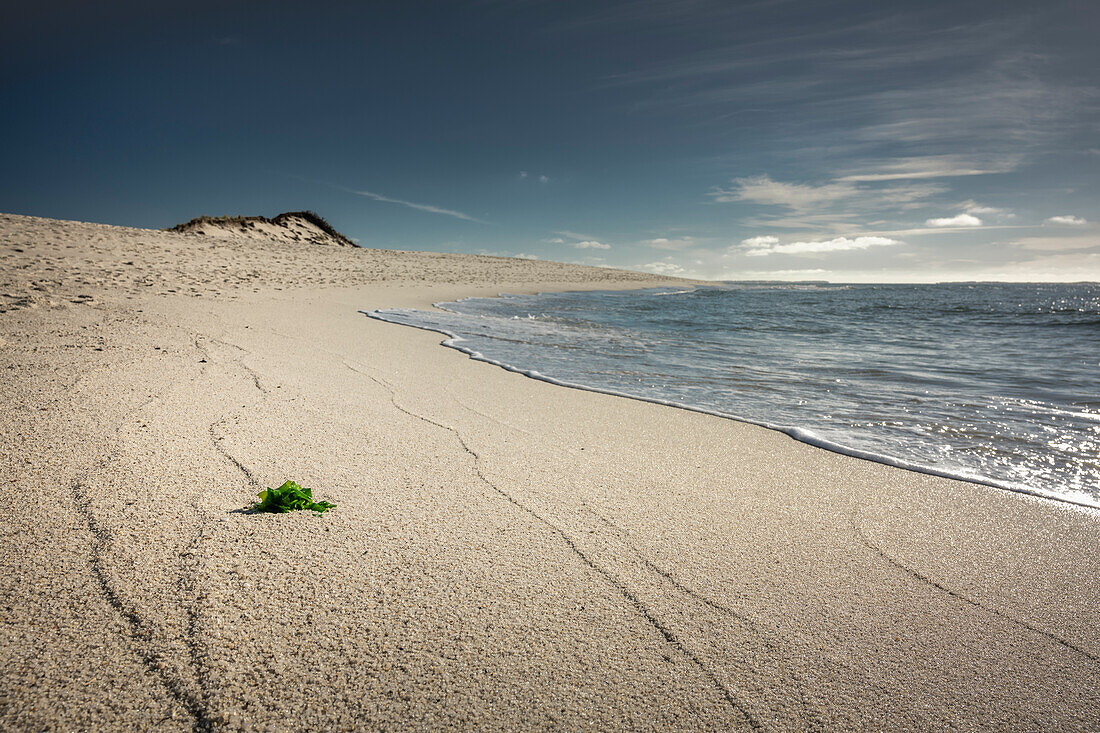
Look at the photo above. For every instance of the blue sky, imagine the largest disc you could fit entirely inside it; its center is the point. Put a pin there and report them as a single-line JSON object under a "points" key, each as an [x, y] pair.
{"points": [[779, 139]]}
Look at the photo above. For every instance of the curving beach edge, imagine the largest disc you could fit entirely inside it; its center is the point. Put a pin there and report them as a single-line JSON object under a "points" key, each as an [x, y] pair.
{"points": [[505, 553]]}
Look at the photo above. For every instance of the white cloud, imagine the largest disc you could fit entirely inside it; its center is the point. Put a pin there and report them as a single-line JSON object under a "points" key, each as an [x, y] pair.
{"points": [[522, 175], [544, 179], [663, 268], [839, 244], [760, 241], [590, 244], [1067, 220], [554, 240], [962, 220], [666, 243], [524, 256], [973, 207]]}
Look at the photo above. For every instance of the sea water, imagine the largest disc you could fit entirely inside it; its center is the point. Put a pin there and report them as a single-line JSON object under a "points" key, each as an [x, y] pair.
{"points": [[985, 381]]}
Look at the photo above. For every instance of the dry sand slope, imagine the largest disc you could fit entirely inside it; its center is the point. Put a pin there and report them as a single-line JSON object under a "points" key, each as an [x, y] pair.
{"points": [[505, 554]]}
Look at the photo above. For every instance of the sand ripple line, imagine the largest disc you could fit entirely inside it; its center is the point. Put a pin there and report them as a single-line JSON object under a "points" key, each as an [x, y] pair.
{"points": [[742, 619], [141, 632], [188, 582], [505, 424], [217, 439], [669, 635], [799, 684], [863, 538]]}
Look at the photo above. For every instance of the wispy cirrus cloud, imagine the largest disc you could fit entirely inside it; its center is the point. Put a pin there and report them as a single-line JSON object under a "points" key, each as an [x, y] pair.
{"points": [[884, 95], [804, 197], [931, 166], [940, 230], [429, 208], [575, 235], [798, 196], [412, 205], [835, 205], [858, 133], [1059, 244]]}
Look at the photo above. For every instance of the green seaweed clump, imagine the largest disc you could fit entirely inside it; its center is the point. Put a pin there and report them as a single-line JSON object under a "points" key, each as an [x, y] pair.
{"points": [[289, 497]]}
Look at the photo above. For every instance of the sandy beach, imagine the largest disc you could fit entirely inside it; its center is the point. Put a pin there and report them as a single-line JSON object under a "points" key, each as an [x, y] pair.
{"points": [[505, 554]]}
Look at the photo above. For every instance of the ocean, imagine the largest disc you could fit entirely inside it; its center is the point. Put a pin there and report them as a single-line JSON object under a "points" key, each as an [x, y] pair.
{"points": [[993, 382]]}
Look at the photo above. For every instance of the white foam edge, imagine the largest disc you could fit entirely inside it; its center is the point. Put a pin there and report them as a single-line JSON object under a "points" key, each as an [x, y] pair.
{"points": [[802, 435]]}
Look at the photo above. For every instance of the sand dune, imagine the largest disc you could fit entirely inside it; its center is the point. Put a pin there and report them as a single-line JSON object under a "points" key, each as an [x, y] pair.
{"points": [[290, 226]]}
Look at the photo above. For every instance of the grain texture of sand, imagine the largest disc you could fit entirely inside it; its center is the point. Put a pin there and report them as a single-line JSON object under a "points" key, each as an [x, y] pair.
{"points": [[505, 554]]}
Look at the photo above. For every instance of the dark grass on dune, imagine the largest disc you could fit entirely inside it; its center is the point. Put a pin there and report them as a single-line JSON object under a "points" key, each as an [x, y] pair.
{"points": [[281, 220]]}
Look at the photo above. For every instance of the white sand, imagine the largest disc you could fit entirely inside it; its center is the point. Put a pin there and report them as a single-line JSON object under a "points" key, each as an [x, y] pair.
{"points": [[505, 553]]}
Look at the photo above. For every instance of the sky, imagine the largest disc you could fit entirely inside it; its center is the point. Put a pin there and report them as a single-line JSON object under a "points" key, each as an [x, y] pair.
{"points": [[769, 140]]}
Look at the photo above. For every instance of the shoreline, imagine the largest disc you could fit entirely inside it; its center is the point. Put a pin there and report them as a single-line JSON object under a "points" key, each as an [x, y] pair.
{"points": [[802, 435], [504, 552]]}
